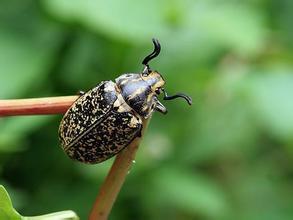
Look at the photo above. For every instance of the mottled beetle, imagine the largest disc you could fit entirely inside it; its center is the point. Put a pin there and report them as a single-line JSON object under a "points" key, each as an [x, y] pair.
{"points": [[104, 120]]}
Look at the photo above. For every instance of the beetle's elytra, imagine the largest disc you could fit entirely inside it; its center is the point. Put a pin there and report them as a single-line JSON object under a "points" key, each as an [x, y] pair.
{"points": [[104, 120]]}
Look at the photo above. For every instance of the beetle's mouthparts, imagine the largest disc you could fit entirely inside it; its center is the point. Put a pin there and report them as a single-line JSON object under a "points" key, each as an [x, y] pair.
{"points": [[178, 95]]}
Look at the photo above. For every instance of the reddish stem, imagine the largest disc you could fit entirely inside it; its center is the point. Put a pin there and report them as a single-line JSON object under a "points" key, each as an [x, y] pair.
{"points": [[36, 106]]}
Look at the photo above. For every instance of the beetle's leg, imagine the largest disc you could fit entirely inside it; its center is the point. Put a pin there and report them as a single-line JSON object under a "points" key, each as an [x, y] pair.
{"points": [[178, 95], [161, 108], [80, 92], [139, 133]]}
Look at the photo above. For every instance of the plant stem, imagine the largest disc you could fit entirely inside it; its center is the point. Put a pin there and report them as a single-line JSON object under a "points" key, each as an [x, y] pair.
{"points": [[115, 179], [36, 106]]}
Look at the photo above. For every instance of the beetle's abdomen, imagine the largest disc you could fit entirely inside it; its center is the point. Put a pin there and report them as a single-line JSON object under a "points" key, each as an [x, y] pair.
{"points": [[98, 125], [86, 111], [107, 138]]}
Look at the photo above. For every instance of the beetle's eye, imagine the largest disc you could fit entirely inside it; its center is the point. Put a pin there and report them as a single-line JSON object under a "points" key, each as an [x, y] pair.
{"points": [[158, 91]]}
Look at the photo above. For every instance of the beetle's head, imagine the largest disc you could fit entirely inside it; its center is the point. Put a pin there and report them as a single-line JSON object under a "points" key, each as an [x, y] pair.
{"points": [[141, 91], [156, 82]]}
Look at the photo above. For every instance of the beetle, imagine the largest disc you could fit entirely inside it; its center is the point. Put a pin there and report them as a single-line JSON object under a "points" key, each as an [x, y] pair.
{"points": [[107, 118]]}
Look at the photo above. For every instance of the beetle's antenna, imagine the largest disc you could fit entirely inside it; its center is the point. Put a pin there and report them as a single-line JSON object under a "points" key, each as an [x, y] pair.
{"points": [[156, 52], [178, 95]]}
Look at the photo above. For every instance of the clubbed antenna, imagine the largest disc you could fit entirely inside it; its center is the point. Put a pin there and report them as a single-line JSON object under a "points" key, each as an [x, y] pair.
{"points": [[178, 95], [156, 52]]}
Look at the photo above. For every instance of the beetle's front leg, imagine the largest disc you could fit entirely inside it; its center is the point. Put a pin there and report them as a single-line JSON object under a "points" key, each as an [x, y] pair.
{"points": [[160, 108]]}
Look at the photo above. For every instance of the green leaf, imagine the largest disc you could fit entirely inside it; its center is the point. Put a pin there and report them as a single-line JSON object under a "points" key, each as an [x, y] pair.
{"points": [[6, 209], [63, 215]]}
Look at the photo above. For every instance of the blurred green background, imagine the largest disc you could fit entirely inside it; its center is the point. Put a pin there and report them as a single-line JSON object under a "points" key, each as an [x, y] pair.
{"points": [[229, 156]]}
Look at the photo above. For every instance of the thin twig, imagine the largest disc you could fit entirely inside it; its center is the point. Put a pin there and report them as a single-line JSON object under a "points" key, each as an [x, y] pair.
{"points": [[36, 106], [115, 179]]}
